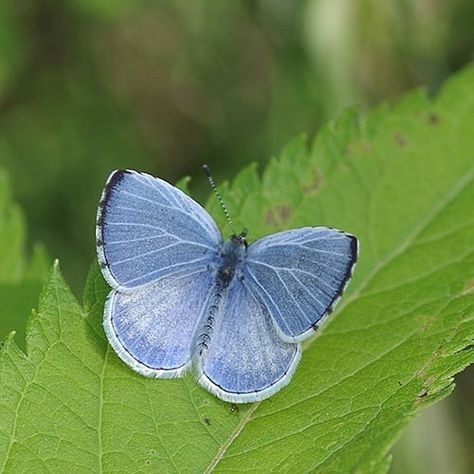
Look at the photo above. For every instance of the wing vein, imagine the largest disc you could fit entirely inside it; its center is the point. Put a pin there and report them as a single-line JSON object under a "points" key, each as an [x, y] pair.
{"points": [[259, 285]]}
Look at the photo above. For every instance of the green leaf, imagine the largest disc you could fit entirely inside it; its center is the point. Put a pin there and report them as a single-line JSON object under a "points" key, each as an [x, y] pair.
{"points": [[20, 281], [402, 181]]}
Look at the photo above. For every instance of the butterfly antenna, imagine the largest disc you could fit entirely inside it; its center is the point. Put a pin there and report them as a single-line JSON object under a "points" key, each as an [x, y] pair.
{"points": [[218, 195]]}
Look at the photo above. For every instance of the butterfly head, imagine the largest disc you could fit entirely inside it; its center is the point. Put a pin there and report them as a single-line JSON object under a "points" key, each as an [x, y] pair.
{"points": [[240, 239]]}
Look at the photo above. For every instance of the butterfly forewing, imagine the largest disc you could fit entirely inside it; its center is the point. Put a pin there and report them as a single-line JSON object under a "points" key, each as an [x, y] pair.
{"points": [[148, 229]]}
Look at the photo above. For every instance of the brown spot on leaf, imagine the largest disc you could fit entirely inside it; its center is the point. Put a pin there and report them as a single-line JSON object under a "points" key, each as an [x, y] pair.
{"points": [[359, 147], [433, 119], [367, 147], [314, 184], [278, 215], [425, 321], [400, 139]]}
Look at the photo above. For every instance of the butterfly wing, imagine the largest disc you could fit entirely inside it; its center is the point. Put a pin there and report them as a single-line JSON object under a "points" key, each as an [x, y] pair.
{"points": [[152, 329], [148, 229], [299, 275], [246, 360]]}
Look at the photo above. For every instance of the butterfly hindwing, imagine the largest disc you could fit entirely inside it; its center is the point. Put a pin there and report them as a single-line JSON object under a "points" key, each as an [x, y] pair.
{"points": [[148, 229], [299, 274], [152, 329], [245, 360]]}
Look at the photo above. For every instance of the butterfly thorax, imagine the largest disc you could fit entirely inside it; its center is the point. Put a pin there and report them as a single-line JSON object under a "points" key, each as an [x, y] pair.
{"points": [[231, 257]]}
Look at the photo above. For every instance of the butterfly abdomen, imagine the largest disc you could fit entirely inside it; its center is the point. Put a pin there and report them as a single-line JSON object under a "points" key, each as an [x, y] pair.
{"points": [[207, 328], [231, 259]]}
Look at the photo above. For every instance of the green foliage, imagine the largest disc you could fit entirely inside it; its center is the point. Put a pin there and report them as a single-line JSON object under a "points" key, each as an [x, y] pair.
{"points": [[20, 280], [402, 181]]}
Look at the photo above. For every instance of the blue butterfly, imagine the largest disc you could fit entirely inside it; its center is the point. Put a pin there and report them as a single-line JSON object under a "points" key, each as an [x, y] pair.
{"points": [[182, 296]]}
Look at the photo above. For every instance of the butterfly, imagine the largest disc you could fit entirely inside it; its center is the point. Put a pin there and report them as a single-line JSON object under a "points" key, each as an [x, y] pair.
{"points": [[183, 297]]}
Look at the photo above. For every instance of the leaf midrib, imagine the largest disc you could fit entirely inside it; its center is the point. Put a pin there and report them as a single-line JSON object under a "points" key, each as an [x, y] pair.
{"points": [[101, 410], [222, 450]]}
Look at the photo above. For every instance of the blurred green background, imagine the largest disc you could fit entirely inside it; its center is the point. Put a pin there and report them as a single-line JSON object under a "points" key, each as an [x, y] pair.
{"points": [[87, 86]]}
